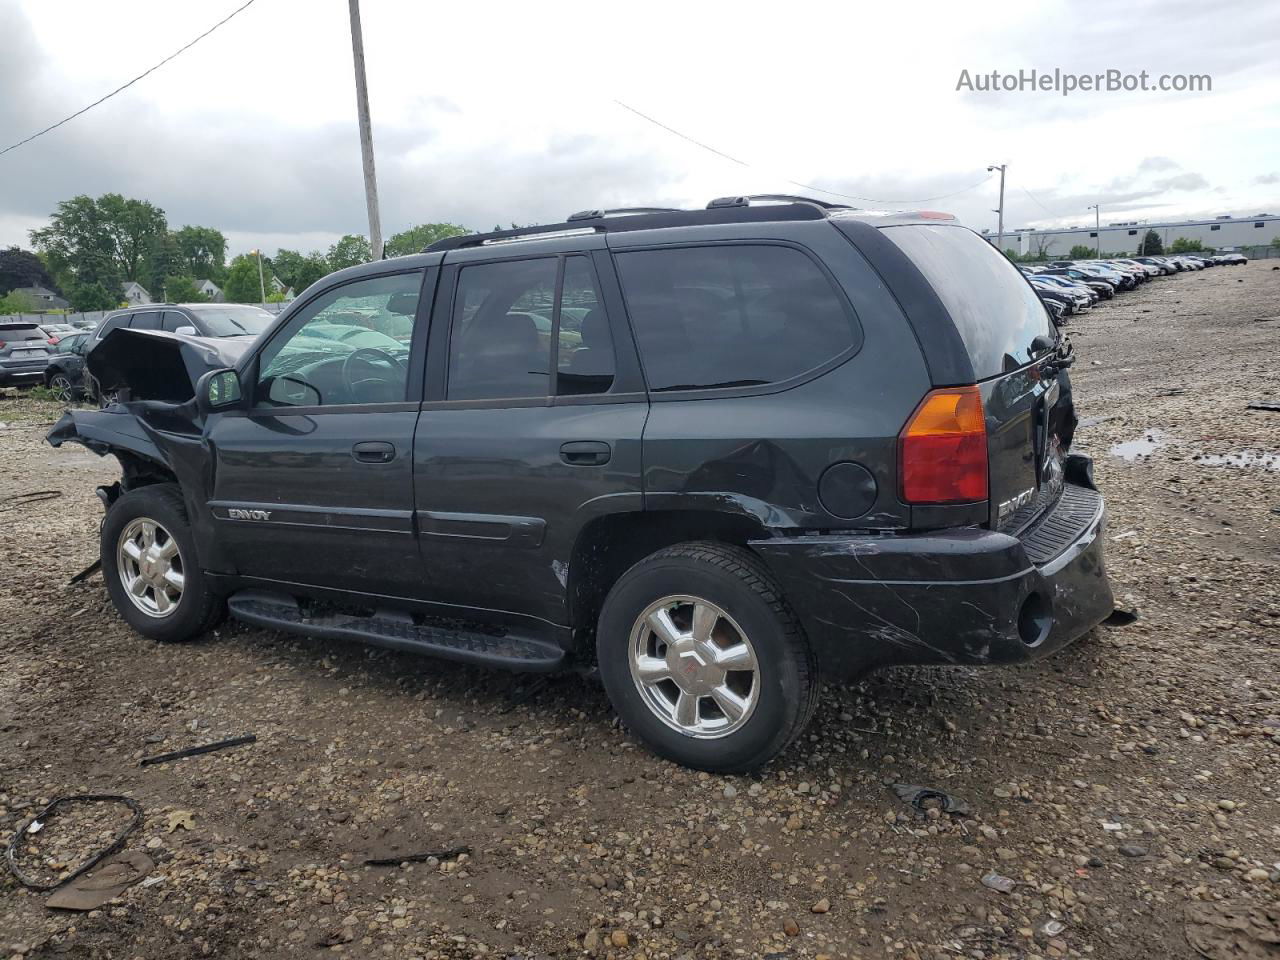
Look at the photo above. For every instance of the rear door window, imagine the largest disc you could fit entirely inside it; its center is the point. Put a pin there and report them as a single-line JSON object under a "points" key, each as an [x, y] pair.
{"points": [[994, 308], [145, 321], [584, 345], [732, 315], [500, 341]]}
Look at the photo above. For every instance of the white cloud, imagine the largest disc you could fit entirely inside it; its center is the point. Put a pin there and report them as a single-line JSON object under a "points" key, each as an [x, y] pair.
{"points": [[503, 111]]}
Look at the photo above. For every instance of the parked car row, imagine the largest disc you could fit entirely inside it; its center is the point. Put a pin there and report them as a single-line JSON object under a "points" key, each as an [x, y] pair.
{"points": [[1070, 286], [53, 354]]}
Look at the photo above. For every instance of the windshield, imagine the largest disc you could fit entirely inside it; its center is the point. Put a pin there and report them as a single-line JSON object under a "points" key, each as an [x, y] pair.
{"points": [[233, 321]]}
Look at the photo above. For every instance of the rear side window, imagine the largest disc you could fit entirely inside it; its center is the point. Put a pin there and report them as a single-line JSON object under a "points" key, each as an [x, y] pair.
{"points": [[145, 321], [731, 315], [996, 311]]}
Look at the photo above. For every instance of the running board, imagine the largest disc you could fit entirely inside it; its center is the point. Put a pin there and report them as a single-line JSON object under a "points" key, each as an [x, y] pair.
{"points": [[399, 632]]}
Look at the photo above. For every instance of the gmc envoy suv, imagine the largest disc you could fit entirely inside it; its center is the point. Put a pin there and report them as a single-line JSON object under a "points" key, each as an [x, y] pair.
{"points": [[715, 455]]}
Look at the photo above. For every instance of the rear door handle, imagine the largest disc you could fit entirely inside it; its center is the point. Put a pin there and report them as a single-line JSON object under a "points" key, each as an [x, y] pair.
{"points": [[585, 453], [374, 451]]}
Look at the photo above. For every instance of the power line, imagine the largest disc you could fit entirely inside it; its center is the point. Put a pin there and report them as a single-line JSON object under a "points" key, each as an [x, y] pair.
{"points": [[1037, 202], [794, 183], [95, 103]]}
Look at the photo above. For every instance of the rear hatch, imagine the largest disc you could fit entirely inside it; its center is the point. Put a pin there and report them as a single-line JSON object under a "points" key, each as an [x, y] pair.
{"points": [[1008, 336], [23, 343]]}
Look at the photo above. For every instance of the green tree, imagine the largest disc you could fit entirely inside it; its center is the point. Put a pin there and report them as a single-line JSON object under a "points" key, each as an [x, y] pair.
{"points": [[1080, 252], [349, 251], [183, 290], [1152, 245], [299, 270], [14, 302], [1275, 241], [94, 294], [163, 260], [1184, 245], [242, 284], [416, 239], [92, 246], [203, 251], [22, 268]]}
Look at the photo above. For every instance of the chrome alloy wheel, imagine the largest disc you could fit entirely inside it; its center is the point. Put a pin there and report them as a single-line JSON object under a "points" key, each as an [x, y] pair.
{"points": [[150, 565], [694, 667]]}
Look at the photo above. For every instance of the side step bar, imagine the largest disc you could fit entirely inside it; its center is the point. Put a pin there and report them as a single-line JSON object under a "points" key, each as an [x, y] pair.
{"points": [[399, 632]]}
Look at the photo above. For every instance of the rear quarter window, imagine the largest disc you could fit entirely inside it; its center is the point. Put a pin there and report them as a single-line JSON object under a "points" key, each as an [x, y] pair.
{"points": [[994, 308], [732, 315]]}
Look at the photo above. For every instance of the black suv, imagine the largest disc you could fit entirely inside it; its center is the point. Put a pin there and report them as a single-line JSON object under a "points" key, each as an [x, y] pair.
{"points": [[717, 454]]}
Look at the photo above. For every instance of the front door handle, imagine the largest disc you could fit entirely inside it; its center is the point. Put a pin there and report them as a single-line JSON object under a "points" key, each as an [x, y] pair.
{"points": [[585, 453], [374, 451]]}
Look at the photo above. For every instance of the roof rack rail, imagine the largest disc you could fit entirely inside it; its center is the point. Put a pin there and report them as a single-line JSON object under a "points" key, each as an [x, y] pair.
{"points": [[618, 211], [727, 210], [795, 198]]}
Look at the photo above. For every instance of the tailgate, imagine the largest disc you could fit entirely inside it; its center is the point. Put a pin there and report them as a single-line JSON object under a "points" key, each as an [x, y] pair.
{"points": [[1023, 410]]}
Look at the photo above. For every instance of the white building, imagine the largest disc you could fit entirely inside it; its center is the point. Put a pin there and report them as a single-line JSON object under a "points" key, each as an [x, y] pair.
{"points": [[1217, 233], [135, 293]]}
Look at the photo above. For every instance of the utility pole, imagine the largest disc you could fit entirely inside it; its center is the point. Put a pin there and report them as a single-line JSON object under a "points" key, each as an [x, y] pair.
{"points": [[262, 283], [1000, 209], [366, 133], [1097, 230]]}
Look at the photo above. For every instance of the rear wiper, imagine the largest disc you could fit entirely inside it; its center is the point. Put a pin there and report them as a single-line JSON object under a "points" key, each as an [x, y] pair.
{"points": [[712, 386]]}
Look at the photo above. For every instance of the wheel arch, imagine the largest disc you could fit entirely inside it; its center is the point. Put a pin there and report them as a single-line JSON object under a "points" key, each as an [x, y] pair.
{"points": [[609, 545]]}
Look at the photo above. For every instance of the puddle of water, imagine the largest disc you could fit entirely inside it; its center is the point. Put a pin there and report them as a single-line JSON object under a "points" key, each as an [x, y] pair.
{"points": [[1144, 446], [1241, 458]]}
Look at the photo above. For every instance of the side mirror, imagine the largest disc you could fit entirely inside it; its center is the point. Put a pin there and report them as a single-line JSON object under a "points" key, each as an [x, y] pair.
{"points": [[289, 391], [188, 331], [218, 390]]}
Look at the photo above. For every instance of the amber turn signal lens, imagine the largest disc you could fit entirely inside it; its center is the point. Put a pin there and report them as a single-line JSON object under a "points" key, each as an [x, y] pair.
{"points": [[942, 451]]}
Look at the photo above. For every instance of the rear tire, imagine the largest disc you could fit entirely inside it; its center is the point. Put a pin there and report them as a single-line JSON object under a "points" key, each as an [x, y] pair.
{"points": [[736, 684], [150, 566]]}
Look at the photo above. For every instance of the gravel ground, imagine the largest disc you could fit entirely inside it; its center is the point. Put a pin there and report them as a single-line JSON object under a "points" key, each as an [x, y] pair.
{"points": [[1123, 787]]}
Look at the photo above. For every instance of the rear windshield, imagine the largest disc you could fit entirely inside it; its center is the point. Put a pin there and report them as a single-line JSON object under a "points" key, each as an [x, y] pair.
{"points": [[996, 311], [22, 333], [233, 321]]}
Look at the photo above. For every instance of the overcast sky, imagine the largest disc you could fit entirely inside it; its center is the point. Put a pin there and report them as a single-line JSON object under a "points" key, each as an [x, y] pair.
{"points": [[495, 112]]}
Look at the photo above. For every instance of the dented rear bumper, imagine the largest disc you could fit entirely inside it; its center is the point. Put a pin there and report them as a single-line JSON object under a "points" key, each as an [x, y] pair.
{"points": [[964, 596]]}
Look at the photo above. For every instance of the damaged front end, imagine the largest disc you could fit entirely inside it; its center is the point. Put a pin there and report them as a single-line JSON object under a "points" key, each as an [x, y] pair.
{"points": [[155, 428]]}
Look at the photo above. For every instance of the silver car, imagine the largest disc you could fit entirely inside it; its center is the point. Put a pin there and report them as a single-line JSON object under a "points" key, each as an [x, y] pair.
{"points": [[24, 352]]}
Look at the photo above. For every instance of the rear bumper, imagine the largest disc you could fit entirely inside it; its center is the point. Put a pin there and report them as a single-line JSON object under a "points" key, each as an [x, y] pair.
{"points": [[11, 372], [963, 596]]}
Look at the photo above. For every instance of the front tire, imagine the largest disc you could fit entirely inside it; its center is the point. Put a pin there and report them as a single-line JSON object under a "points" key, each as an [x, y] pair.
{"points": [[150, 566], [704, 661]]}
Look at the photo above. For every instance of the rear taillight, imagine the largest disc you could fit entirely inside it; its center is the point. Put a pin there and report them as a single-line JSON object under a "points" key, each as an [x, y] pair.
{"points": [[942, 451], [1, 344]]}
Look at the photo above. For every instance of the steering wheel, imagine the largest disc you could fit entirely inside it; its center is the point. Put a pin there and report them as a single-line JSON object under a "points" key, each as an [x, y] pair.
{"points": [[369, 356]]}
